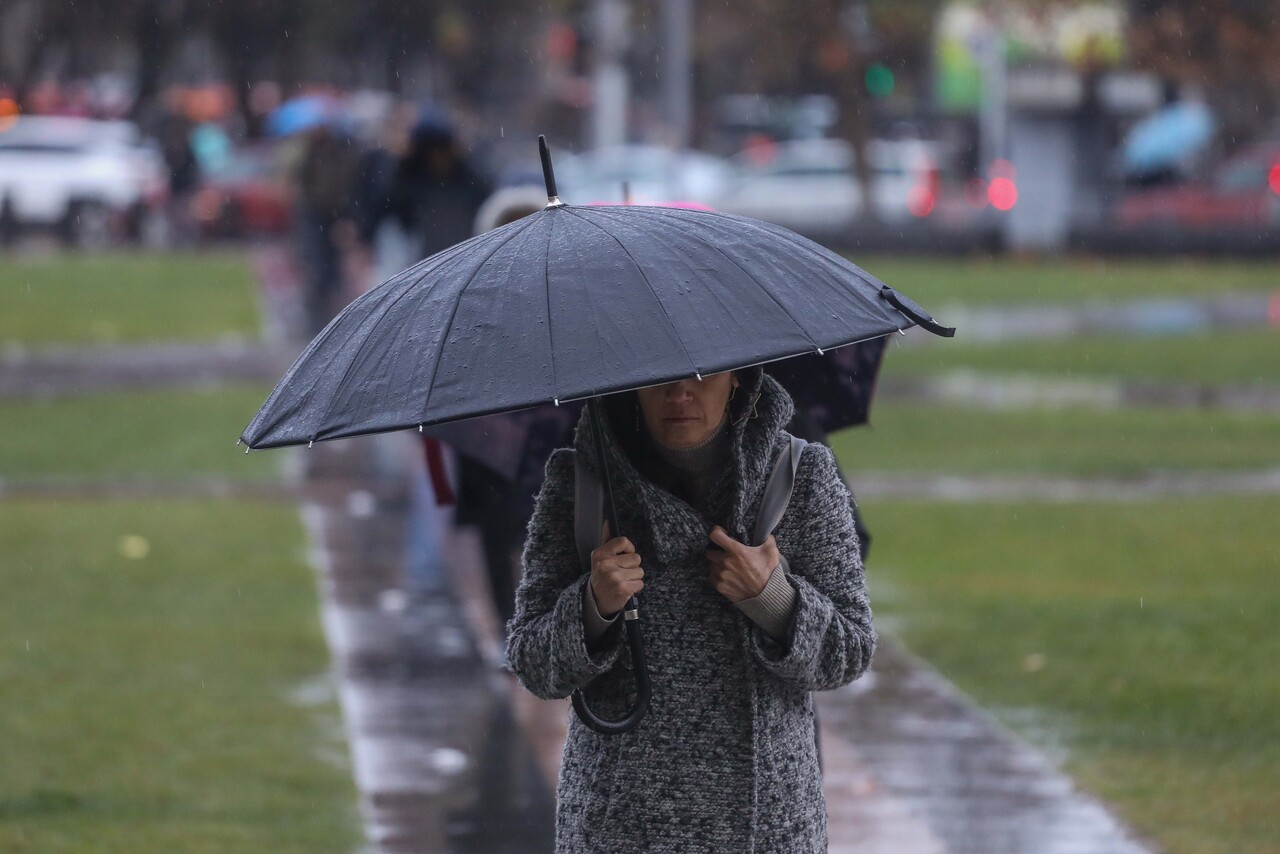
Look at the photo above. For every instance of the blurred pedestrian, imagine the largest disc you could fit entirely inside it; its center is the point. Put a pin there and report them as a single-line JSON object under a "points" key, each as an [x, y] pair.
{"points": [[432, 197], [184, 179], [325, 180], [434, 192], [383, 239], [498, 506]]}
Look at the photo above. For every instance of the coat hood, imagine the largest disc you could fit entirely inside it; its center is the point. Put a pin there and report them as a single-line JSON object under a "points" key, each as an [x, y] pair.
{"points": [[758, 412]]}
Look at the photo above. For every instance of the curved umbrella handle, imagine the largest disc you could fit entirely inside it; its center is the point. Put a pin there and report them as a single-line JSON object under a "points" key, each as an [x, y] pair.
{"points": [[917, 314], [631, 616]]}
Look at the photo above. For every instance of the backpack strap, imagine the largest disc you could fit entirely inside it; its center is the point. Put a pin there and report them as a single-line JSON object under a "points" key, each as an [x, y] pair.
{"points": [[588, 501], [588, 511], [777, 492]]}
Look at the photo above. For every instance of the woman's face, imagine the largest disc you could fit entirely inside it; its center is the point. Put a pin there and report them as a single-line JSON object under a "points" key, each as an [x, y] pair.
{"points": [[683, 413]]}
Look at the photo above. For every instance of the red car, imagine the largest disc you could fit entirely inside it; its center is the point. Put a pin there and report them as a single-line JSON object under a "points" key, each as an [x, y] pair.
{"points": [[1242, 193], [244, 198]]}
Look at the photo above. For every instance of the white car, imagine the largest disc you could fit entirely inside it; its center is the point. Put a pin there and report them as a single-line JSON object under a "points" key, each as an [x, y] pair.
{"points": [[651, 173], [810, 185], [85, 178]]}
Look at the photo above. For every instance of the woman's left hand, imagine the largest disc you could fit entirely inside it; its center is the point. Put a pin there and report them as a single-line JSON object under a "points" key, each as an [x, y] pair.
{"points": [[740, 571]]}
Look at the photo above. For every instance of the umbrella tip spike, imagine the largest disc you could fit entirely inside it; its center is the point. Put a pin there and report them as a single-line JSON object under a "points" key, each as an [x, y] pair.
{"points": [[557, 400], [548, 174], [309, 444], [902, 332], [419, 428], [247, 449], [699, 376], [819, 351]]}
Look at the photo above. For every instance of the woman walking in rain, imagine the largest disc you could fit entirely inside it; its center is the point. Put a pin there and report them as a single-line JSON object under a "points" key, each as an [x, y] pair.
{"points": [[737, 636]]}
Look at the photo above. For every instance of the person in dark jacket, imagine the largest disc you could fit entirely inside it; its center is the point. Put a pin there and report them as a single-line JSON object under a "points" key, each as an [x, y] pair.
{"points": [[434, 192], [325, 182], [736, 636]]}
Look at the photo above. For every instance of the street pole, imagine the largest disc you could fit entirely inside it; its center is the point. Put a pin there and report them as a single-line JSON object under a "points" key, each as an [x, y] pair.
{"points": [[993, 117], [610, 88], [677, 69]]}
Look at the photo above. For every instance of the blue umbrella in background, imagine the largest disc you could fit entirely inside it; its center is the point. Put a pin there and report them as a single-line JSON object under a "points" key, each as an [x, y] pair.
{"points": [[300, 114], [1168, 137]]}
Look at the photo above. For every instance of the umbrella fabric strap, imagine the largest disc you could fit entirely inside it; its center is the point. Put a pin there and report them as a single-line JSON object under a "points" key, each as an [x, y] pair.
{"points": [[588, 501], [915, 313]]}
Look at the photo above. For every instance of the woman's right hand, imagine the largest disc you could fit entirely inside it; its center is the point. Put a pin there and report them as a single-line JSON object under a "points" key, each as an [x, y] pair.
{"points": [[616, 575]]}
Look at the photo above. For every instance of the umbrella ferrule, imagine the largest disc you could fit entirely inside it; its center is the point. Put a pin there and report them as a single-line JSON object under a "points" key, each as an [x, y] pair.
{"points": [[554, 202], [631, 614]]}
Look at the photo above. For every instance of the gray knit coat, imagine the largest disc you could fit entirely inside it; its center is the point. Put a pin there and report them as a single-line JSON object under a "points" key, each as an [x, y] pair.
{"points": [[725, 760]]}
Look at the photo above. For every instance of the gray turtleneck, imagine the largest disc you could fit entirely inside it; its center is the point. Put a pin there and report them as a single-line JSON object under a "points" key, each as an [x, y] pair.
{"points": [[691, 473]]}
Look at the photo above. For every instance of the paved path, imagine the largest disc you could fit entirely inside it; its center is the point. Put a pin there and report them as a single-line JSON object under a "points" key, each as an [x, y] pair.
{"points": [[1022, 391], [1152, 316], [57, 371]]}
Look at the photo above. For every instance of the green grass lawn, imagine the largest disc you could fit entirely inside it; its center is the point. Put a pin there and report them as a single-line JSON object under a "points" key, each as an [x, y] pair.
{"points": [[160, 434], [1139, 636], [122, 298], [156, 683], [1250, 357], [921, 437], [935, 283]]}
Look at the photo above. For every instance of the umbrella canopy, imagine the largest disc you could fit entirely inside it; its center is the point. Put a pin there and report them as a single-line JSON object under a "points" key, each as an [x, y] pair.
{"points": [[301, 113], [569, 303], [1165, 138]]}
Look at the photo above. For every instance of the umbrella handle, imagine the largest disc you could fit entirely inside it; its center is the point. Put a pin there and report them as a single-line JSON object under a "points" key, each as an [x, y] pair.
{"points": [[630, 613], [631, 617]]}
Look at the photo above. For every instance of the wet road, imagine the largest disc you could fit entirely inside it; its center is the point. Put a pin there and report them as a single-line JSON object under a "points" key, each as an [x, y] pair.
{"points": [[450, 755]]}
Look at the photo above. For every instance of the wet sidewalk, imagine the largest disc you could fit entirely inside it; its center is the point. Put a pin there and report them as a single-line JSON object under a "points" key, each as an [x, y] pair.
{"points": [[450, 755]]}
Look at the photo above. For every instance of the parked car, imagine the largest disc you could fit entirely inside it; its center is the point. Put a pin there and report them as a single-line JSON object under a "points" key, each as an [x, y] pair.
{"points": [[651, 173], [244, 197], [93, 182], [811, 185], [1243, 192]]}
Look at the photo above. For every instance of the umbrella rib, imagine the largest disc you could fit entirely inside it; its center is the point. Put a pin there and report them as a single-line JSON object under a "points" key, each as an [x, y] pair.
{"points": [[647, 283], [444, 339], [337, 392], [767, 293], [797, 240], [551, 338], [421, 270], [768, 228]]}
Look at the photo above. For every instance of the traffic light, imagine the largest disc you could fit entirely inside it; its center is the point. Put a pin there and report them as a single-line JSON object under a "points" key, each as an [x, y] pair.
{"points": [[879, 79]]}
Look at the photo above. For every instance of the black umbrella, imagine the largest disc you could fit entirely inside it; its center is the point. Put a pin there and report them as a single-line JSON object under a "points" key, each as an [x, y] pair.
{"points": [[571, 303]]}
